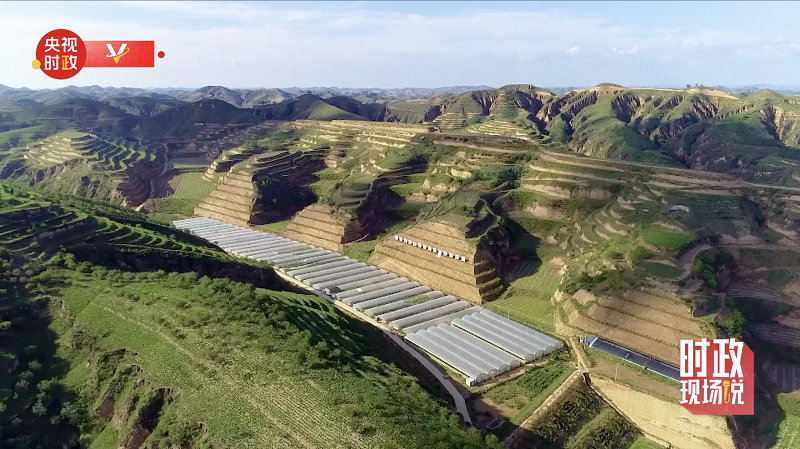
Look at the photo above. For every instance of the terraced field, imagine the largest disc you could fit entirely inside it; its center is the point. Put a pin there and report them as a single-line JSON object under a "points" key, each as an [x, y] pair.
{"points": [[31, 225], [647, 321], [187, 191], [529, 297], [498, 128], [471, 275], [87, 165]]}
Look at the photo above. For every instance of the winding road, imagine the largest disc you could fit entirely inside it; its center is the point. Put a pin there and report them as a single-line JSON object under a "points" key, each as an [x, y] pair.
{"points": [[687, 260]]}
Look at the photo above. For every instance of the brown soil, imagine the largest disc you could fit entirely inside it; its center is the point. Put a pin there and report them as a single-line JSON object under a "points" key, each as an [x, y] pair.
{"points": [[633, 378], [666, 420]]}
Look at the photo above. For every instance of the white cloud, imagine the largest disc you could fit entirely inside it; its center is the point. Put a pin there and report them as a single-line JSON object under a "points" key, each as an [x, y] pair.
{"points": [[315, 44], [626, 51]]}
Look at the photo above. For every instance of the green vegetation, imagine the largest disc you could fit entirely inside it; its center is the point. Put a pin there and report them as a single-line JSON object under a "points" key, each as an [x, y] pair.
{"points": [[607, 430], [658, 236], [528, 299], [708, 263], [293, 344], [785, 436], [536, 226], [180, 120], [564, 419], [305, 107], [528, 392], [189, 190], [276, 227], [360, 251], [779, 278], [662, 270], [153, 357], [644, 443]]}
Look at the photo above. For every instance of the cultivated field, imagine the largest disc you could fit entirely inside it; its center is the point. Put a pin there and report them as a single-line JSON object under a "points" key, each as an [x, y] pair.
{"points": [[223, 377], [788, 435], [667, 421], [188, 190], [528, 300]]}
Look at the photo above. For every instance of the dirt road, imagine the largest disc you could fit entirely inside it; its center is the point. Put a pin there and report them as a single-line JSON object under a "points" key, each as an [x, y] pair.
{"points": [[687, 260]]}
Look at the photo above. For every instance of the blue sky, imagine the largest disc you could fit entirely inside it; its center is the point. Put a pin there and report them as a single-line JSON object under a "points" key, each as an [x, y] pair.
{"points": [[420, 44]]}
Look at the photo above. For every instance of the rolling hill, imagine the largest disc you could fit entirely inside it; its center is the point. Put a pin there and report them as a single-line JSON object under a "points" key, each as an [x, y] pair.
{"points": [[238, 97], [306, 107], [180, 120], [118, 332]]}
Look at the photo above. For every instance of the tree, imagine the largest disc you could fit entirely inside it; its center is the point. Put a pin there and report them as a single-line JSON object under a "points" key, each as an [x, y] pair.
{"points": [[735, 324], [688, 86]]}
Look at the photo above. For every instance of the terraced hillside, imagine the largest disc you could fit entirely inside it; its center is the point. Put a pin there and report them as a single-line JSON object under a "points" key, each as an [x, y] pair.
{"points": [[268, 186], [114, 335], [87, 165], [38, 224], [457, 246]]}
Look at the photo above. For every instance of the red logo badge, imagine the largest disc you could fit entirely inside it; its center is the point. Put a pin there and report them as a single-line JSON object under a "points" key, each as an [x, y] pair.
{"points": [[717, 377], [61, 54]]}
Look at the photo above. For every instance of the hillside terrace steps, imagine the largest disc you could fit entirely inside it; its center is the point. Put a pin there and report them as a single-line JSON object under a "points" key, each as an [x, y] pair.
{"points": [[473, 279], [319, 225]]}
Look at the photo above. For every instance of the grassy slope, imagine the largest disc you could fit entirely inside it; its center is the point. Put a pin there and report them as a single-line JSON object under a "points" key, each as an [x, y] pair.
{"points": [[190, 190], [258, 368]]}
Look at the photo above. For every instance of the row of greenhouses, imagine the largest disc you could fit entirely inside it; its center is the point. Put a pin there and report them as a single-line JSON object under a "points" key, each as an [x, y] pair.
{"points": [[476, 342]]}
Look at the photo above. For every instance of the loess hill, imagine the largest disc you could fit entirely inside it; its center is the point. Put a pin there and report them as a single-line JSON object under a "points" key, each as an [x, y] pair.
{"points": [[642, 216], [114, 335]]}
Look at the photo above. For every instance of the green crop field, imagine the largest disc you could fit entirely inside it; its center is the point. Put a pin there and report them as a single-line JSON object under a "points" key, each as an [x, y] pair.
{"points": [[528, 391], [580, 420], [173, 351], [658, 236], [644, 443], [528, 298], [787, 434], [190, 189], [662, 270], [360, 251], [292, 374], [276, 227]]}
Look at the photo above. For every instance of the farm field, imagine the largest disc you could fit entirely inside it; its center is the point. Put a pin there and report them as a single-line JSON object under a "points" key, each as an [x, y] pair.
{"points": [[662, 270], [667, 420], [526, 393], [276, 227], [528, 298], [658, 236], [306, 391], [788, 434], [577, 420], [640, 320], [189, 189]]}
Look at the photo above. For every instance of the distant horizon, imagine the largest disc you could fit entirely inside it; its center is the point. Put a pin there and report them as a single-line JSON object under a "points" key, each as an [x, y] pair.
{"points": [[658, 86]]}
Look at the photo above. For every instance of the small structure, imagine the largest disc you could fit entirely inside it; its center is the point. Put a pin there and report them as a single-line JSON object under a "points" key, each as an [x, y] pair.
{"points": [[677, 207]]}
